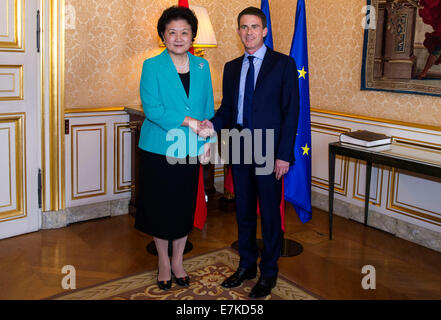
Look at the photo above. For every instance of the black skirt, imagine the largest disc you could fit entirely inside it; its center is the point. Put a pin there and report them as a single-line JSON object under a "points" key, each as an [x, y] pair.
{"points": [[167, 196]]}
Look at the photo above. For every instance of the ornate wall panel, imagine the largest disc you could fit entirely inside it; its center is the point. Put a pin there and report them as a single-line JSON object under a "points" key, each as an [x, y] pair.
{"points": [[412, 195], [122, 172], [11, 82], [12, 25], [12, 175], [89, 160]]}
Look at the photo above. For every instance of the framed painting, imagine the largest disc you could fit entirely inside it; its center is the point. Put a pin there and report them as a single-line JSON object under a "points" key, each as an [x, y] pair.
{"points": [[402, 46]]}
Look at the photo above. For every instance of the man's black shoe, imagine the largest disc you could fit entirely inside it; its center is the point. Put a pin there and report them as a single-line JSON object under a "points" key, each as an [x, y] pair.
{"points": [[239, 276], [263, 287]]}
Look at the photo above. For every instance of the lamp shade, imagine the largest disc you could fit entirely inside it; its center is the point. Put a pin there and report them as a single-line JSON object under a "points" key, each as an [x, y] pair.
{"points": [[205, 37]]}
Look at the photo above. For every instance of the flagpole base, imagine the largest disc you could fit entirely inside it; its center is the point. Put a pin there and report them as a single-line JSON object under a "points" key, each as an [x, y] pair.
{"points": [[151, 248], [290, 248], [259, 242]]}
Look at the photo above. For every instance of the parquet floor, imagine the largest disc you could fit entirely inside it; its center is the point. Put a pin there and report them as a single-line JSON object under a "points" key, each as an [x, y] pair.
{"points": [[109, 248]]}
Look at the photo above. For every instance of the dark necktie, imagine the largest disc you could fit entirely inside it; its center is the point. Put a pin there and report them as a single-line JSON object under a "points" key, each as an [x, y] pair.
{"points": [[248, 96]]}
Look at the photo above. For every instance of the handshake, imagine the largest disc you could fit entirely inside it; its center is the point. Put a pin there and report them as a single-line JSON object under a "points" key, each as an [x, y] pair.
{"points": [[203, 129]]}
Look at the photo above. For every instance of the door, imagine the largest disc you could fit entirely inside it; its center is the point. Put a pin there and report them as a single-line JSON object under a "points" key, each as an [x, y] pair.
{"points": [[20, 114]]}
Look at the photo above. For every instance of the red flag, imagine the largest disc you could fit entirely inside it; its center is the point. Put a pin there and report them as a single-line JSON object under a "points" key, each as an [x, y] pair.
{"points": [[228, 182], [228, 185], [184, 3], [200, 214]]}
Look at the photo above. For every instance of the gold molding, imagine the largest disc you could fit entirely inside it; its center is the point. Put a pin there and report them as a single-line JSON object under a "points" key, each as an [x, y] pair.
{"points": [[399, 61], [56, 106], [20, 77], [389, 121], [87, 110], [68, 116], [92, 127], [118, 150], [416, 143], [61, 107], [19, 120], [18, 44]]}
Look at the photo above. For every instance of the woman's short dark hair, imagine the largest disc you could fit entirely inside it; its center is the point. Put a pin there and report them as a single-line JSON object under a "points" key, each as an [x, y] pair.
{"points": [[254, 12], [177, 13]]}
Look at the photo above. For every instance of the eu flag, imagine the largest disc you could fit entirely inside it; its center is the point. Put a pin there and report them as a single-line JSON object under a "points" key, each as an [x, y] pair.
{"points": [[298, 178], [264, 6]]}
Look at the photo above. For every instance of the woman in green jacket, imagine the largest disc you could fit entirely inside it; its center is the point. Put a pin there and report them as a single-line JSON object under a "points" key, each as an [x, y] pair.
{"points": [[176, 94]]}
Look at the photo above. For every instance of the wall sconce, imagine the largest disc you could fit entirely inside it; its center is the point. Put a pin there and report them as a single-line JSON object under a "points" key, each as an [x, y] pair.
{"points": [[205, 37]]}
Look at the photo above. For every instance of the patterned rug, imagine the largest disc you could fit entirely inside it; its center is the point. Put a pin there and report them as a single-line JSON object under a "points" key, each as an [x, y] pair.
{"points": [[206, 273]]}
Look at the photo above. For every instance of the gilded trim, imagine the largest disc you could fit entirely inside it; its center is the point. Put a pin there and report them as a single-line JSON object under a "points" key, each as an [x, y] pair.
{"points": [[61, 108], [56, 105], [87, 110]]}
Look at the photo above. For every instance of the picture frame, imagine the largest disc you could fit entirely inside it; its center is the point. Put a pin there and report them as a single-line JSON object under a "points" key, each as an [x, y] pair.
{"points": [[394, 51]]}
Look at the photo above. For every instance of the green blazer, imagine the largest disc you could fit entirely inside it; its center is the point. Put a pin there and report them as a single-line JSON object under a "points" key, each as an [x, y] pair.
{"points": [[166, 104]]}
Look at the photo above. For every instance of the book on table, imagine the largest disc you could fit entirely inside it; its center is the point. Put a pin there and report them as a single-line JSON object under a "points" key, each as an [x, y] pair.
{"points": [[365, 138]]}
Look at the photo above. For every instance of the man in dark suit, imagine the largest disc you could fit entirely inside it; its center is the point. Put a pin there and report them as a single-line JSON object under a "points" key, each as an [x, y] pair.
{"points": [[260, 92]]}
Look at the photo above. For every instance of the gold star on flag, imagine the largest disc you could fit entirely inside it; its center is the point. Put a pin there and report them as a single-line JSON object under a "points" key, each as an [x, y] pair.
{"points": [[305, 150], [302, 73]]}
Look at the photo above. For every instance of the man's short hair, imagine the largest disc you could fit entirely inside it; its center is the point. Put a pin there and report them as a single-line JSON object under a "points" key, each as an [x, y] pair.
{"points": [[254, 12]]}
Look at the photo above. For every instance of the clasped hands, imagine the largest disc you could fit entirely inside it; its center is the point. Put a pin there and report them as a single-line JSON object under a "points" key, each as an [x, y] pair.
{"points": [[203, 129]]}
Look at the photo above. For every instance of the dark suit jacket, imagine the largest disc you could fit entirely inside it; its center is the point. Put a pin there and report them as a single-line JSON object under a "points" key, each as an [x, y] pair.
{"points": [[275, 101]]}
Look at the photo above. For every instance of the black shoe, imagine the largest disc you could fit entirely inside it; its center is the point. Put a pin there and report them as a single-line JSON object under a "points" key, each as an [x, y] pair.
{"points": [[239, 276], [164, 285], [263, 287], [183, 282]]}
